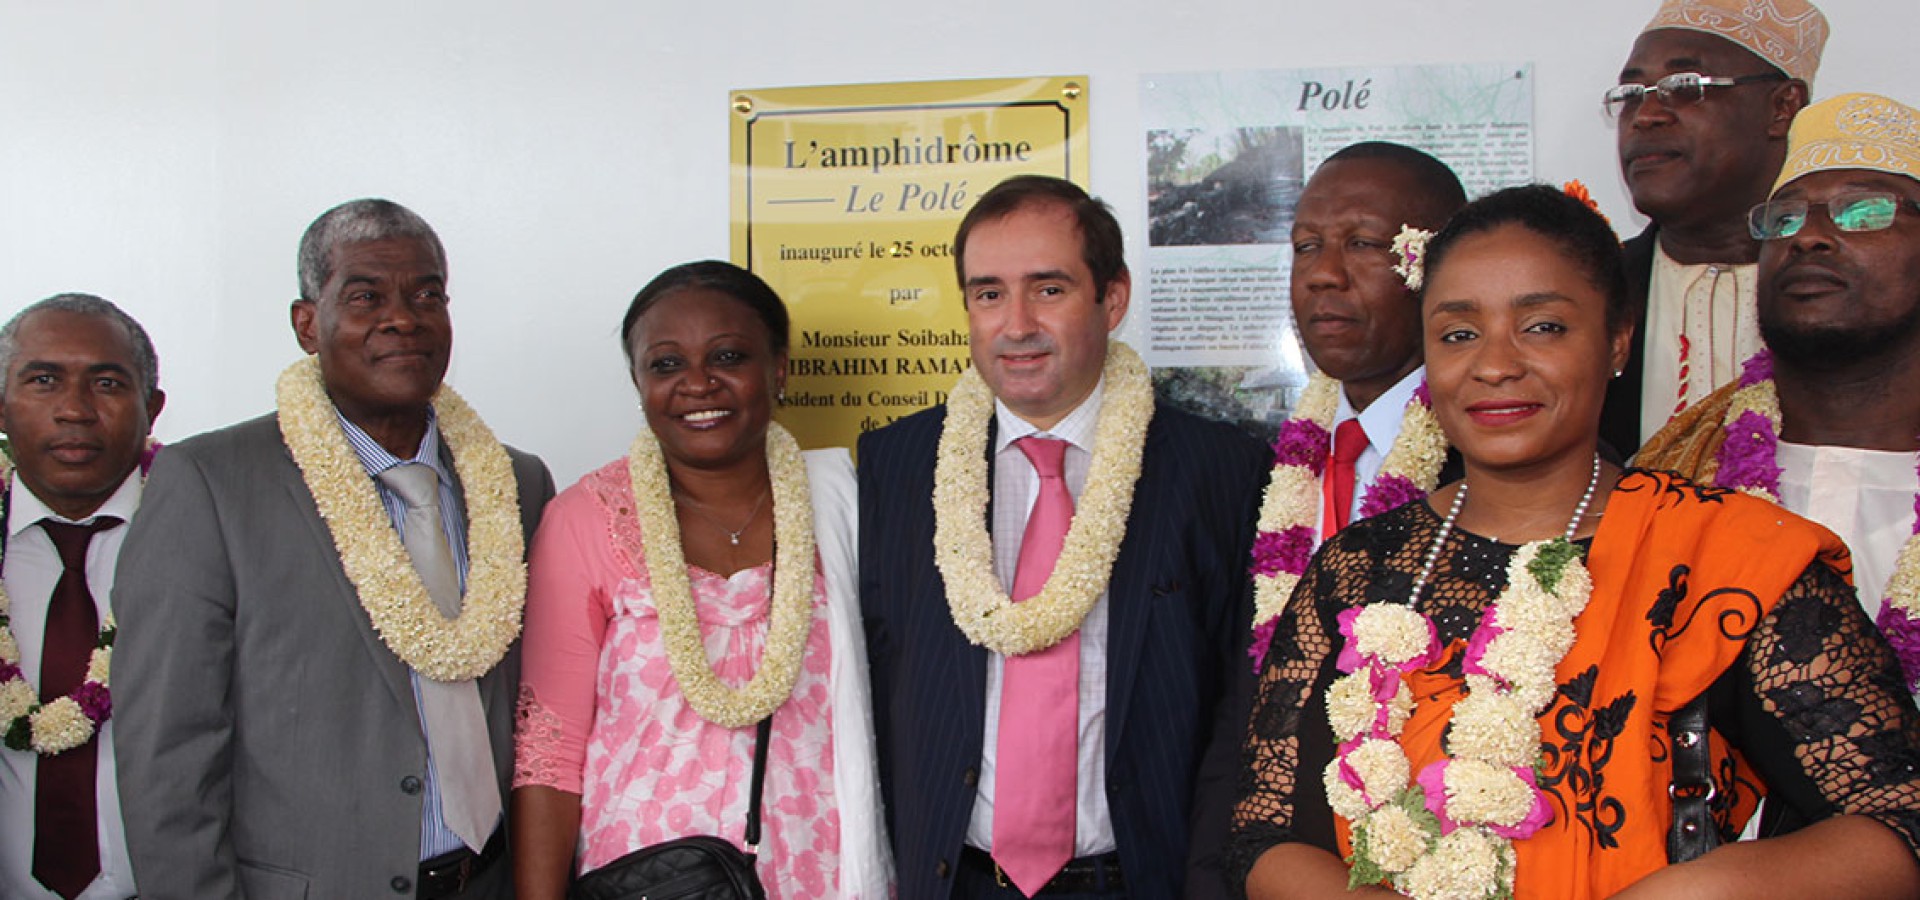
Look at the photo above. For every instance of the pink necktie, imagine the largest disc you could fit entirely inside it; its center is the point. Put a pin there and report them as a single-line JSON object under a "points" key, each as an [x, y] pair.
{"points": [[1036, 757]]}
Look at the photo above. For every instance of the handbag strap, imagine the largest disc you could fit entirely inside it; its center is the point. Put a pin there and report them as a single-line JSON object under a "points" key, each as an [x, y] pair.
{"points": [[1693, 832], [762, 737]]}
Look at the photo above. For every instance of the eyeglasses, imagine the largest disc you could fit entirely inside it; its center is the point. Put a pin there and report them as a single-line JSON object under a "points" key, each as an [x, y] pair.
{"points": [[1866, 211], [1678, 89]]}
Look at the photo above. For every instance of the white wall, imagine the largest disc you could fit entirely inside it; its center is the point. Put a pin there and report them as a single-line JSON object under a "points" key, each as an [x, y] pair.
{"points": [[168, 155]]}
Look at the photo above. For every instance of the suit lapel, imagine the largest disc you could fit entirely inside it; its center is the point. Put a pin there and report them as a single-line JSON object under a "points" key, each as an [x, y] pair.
{"points": [[970, 661], [1131, 592], [392, 671]]}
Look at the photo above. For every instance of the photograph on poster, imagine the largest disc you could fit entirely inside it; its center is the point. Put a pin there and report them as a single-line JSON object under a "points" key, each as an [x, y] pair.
{"points": [[1227, 156], [1235, 187]]}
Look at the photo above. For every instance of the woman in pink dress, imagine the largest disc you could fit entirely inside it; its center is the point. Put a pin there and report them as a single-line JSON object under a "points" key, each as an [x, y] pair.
{"points": [[680, 595]]}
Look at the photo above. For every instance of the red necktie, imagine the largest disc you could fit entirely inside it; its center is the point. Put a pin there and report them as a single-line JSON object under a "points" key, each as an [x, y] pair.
{"points": [[66, 849], [1036, 757], [1349, 441]]}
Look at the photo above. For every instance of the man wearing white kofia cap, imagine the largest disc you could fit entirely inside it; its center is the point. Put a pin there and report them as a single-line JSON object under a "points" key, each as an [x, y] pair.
{"points": [[1703, 105]]}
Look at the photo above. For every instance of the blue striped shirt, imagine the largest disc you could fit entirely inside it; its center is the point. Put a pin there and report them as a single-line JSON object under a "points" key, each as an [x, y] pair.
{"points": [[435, 837]]}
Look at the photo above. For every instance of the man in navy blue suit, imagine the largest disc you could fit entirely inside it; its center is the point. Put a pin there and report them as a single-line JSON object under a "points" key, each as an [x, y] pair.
{"points": [[1076, 742]]}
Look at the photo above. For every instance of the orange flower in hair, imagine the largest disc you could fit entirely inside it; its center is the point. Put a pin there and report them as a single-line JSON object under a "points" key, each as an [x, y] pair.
{"points": [[1579, 192]]}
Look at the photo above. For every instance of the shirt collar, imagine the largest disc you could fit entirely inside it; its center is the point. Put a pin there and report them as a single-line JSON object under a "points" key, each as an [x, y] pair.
{"points": [[25, 510], [1381, 419], [1694, 270], [376, 458], [1076, 428]]}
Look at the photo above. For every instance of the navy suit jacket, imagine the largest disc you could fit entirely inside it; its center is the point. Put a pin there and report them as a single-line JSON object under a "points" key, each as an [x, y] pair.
{"points": [[1180, 606]]}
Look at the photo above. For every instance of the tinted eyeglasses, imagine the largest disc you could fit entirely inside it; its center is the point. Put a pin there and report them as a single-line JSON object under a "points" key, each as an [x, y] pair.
{"points": [[1863, 211], [1678, 89]]}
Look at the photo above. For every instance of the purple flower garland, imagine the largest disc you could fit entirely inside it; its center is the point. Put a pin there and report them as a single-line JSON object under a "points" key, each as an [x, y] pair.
{"points": [[1289, 551], [1901, 628], [1303, 442], [1748, 455]]}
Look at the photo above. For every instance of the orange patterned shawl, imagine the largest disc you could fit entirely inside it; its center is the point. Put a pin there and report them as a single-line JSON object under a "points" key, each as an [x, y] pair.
{"points": [[1682, 574]]}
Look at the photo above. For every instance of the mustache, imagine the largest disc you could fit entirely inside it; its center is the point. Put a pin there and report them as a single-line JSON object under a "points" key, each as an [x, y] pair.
{"points": [[1814, 264], [1645, 147], [1034, 343]]}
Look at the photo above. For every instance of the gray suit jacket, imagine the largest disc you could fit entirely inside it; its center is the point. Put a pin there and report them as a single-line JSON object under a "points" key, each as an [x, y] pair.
{"points": [[267, 738]]}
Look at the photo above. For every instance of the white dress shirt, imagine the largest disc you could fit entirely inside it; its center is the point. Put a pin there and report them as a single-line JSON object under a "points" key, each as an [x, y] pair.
{"points": [[1015, 488], [436, 837], [1864, 496], [1713, 305], [1381, 421], [31, 569]]}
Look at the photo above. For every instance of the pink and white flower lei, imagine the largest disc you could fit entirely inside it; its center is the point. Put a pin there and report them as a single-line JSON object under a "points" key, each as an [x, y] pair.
{"points": [[1448, 830], [1748, 462], [66, 722], [1287, 535]]}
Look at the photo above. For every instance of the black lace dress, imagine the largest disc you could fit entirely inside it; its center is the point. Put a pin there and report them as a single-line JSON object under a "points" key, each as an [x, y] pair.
{"points": [[1813, 704]]}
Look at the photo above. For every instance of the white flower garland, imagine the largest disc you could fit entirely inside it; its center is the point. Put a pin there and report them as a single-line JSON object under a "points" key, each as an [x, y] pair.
{"points": [[1448, 832], [370, 551], [792, 603], [963, 548], [1293, 498], [67, 722]]}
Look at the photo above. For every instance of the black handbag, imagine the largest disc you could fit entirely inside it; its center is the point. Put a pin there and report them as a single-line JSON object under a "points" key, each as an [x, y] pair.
{"points": [[1693, 831], [701, 867]]}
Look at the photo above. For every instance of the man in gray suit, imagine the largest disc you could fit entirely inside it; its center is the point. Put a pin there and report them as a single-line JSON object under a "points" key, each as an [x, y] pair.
{"points": [[317, 658]]}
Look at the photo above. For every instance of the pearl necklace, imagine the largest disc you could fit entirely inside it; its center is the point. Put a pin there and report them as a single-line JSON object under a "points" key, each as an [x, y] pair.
{"points": [[1453, 513]]}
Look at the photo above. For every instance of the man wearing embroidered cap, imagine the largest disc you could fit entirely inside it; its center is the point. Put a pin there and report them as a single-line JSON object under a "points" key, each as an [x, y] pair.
{"points": [[322, 608], [1826, 420], [1703, 106], [1049, 678]]}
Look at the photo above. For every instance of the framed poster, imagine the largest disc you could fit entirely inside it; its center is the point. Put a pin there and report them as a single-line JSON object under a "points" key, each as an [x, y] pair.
{"points": [[1228, 154]]}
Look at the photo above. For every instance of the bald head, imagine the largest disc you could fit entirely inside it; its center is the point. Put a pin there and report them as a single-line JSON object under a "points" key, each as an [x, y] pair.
{"points": [[1437, 193]]}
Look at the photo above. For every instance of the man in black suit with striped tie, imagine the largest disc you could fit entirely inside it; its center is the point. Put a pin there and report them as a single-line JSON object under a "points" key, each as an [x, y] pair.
{"points": [[1053, 578]]}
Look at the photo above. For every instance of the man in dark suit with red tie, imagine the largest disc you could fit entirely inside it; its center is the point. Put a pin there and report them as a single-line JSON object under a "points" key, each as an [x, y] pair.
{"points": [[1046, 693]]}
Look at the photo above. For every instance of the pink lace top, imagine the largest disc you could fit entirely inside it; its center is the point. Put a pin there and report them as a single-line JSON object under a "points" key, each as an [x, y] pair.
{"points": [[602, 716]]}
